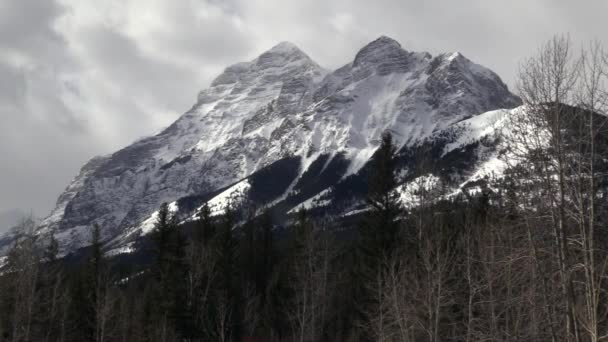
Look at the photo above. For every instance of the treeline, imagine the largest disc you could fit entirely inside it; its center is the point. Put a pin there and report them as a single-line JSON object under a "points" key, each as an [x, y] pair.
{"points": [[520, 258]]}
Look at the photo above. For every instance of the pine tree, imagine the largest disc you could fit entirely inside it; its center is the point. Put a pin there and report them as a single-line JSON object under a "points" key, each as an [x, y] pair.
{"points": [[170, 270], [271, 282], [379, 234], [53, 295], [95, 260], [87, 290], [204, 229], [249, 253], [267, 251], [201, 268], [52, 250], [225, 244], [380, 228], [309, 278], [226, 292]]}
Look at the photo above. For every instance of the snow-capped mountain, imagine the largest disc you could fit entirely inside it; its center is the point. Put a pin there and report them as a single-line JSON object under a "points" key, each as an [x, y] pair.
{"points": [[283, 131]]}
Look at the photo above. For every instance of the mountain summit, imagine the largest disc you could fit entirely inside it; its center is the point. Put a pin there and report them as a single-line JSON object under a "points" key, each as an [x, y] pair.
{"points": [[381, 50], [280, 131], [286, 48]]}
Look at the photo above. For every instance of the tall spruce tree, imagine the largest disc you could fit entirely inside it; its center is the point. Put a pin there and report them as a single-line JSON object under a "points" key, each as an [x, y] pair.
{"points": [[201, 268], [53, 293], [379, 234], [205, 229], [170, 271], [380, 228], [271, 281], [85, 290], [223, 308], [248, 253]]}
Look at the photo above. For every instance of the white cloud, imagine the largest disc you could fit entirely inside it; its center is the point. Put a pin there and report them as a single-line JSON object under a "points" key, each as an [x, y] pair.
{"points": [[342, 22]]}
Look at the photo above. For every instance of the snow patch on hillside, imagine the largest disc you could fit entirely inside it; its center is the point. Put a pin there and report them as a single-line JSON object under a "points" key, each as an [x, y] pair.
{"points": [[126, 249], [487, 124], [414, 192], [147, 226], [313, 202], [230, 196]]}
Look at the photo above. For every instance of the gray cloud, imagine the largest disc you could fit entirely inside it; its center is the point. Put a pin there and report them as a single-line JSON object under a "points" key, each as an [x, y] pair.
{"points": [[82, 78], [10, 218], [25, 24], [12, 86]]}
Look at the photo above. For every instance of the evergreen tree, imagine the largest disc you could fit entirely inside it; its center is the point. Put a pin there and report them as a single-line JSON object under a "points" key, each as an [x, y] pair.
{"points": [[271, 282], [309, 278], [249, 254], [53, 295], [221, 311], [52, 250], [170, 271], [379, 235], [95, 260], [267, 252], [86, 290], [204, 230], [201, 268], [380, 228]]}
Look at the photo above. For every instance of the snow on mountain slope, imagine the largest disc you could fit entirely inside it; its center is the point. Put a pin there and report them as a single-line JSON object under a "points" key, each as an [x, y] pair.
{"points": [[219, 203], [410, 193], [387, 88], [486, 136], [281, 104], [219, 128], [493, 126]]}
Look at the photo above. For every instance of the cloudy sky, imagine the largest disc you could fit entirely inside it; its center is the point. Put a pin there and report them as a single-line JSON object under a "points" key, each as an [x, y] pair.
{"points": [[80, 78]]}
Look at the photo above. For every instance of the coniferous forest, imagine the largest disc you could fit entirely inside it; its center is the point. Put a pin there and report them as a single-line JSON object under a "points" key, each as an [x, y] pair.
{"points": [[523, 259]]}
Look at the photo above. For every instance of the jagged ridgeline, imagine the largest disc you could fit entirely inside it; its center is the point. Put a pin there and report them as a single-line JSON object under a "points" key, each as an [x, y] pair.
{"points": [[280, 131]]}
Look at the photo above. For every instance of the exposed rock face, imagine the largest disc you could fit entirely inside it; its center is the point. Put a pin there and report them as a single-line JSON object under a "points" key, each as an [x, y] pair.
{"points": [[281, 104]]}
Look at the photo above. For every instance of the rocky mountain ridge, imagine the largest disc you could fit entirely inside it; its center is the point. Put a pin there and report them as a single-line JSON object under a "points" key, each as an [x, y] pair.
{"points": [[280, 115]]}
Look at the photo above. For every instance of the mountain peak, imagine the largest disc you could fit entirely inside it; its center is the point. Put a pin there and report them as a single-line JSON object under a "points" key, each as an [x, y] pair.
{"points": [[381, 43], [278, 56], [385, 40], [285, 46], [385, 52], [457, 61], [456, 57], [285, 50], [281, 54]]}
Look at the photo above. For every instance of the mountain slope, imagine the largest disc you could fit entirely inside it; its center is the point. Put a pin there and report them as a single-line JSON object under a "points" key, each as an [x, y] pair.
{"points": [[289, 127]]}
